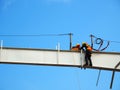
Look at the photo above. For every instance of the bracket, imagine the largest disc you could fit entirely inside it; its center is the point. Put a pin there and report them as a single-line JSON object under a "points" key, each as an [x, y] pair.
{"points": [[113, 74]]}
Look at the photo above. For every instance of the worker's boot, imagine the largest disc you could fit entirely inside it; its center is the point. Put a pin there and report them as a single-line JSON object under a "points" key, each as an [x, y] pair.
{"points": [[91, 65], [85, 65]]}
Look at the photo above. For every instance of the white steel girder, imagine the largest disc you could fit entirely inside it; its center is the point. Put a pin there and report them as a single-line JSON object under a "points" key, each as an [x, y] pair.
{"points": [[100, 60]]}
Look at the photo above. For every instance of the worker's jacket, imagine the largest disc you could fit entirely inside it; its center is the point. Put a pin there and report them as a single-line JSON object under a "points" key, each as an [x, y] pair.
{"points": [[87, 47], [75, 48]]}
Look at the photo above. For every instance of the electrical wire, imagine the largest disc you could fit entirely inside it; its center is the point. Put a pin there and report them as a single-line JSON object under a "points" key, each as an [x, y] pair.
{"points": [[113, 41], [38, 34]]}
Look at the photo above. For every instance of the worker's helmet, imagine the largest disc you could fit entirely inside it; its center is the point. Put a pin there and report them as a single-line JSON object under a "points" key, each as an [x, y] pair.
{"points": [[84, 43], [78, 45]]}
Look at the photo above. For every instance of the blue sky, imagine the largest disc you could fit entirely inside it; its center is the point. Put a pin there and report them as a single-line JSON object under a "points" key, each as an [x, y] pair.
{"points": [[34, 17]]}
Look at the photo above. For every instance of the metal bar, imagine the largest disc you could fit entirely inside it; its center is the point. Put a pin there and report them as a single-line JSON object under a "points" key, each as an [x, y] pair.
{"points": [[49, 57], [111, 84], [117, 65], [81, 59], [1, 44], [58, 48], [1, 47], [98, 77], [70, 34], [113, 75]]}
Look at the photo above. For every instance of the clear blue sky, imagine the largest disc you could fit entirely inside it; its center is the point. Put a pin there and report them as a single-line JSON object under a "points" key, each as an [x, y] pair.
{"points": [[80, 17]]}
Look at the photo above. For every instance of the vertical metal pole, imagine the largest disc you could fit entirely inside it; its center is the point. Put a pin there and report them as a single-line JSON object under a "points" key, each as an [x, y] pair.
{"points": [[91, 40], [70, 34], [58, 48], [113, 74], [111, 84], [81, 58], [1, 46], [98, 77]]}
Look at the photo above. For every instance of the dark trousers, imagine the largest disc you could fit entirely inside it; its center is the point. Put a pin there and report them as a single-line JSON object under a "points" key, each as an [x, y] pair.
{"points": [[88, 58]]}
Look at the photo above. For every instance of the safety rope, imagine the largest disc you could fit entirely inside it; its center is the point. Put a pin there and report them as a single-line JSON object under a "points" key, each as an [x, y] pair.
{"points": [[78, 80], [77, 75]]}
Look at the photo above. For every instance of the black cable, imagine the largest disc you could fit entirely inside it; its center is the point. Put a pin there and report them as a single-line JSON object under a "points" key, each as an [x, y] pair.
{"points": [[106, 40], [38, 35], [99, 42], [113, 41]]}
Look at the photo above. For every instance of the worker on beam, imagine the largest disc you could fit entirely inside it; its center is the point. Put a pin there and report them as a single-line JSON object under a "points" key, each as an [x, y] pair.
{"points": [[76, 47], [88, 51]]}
